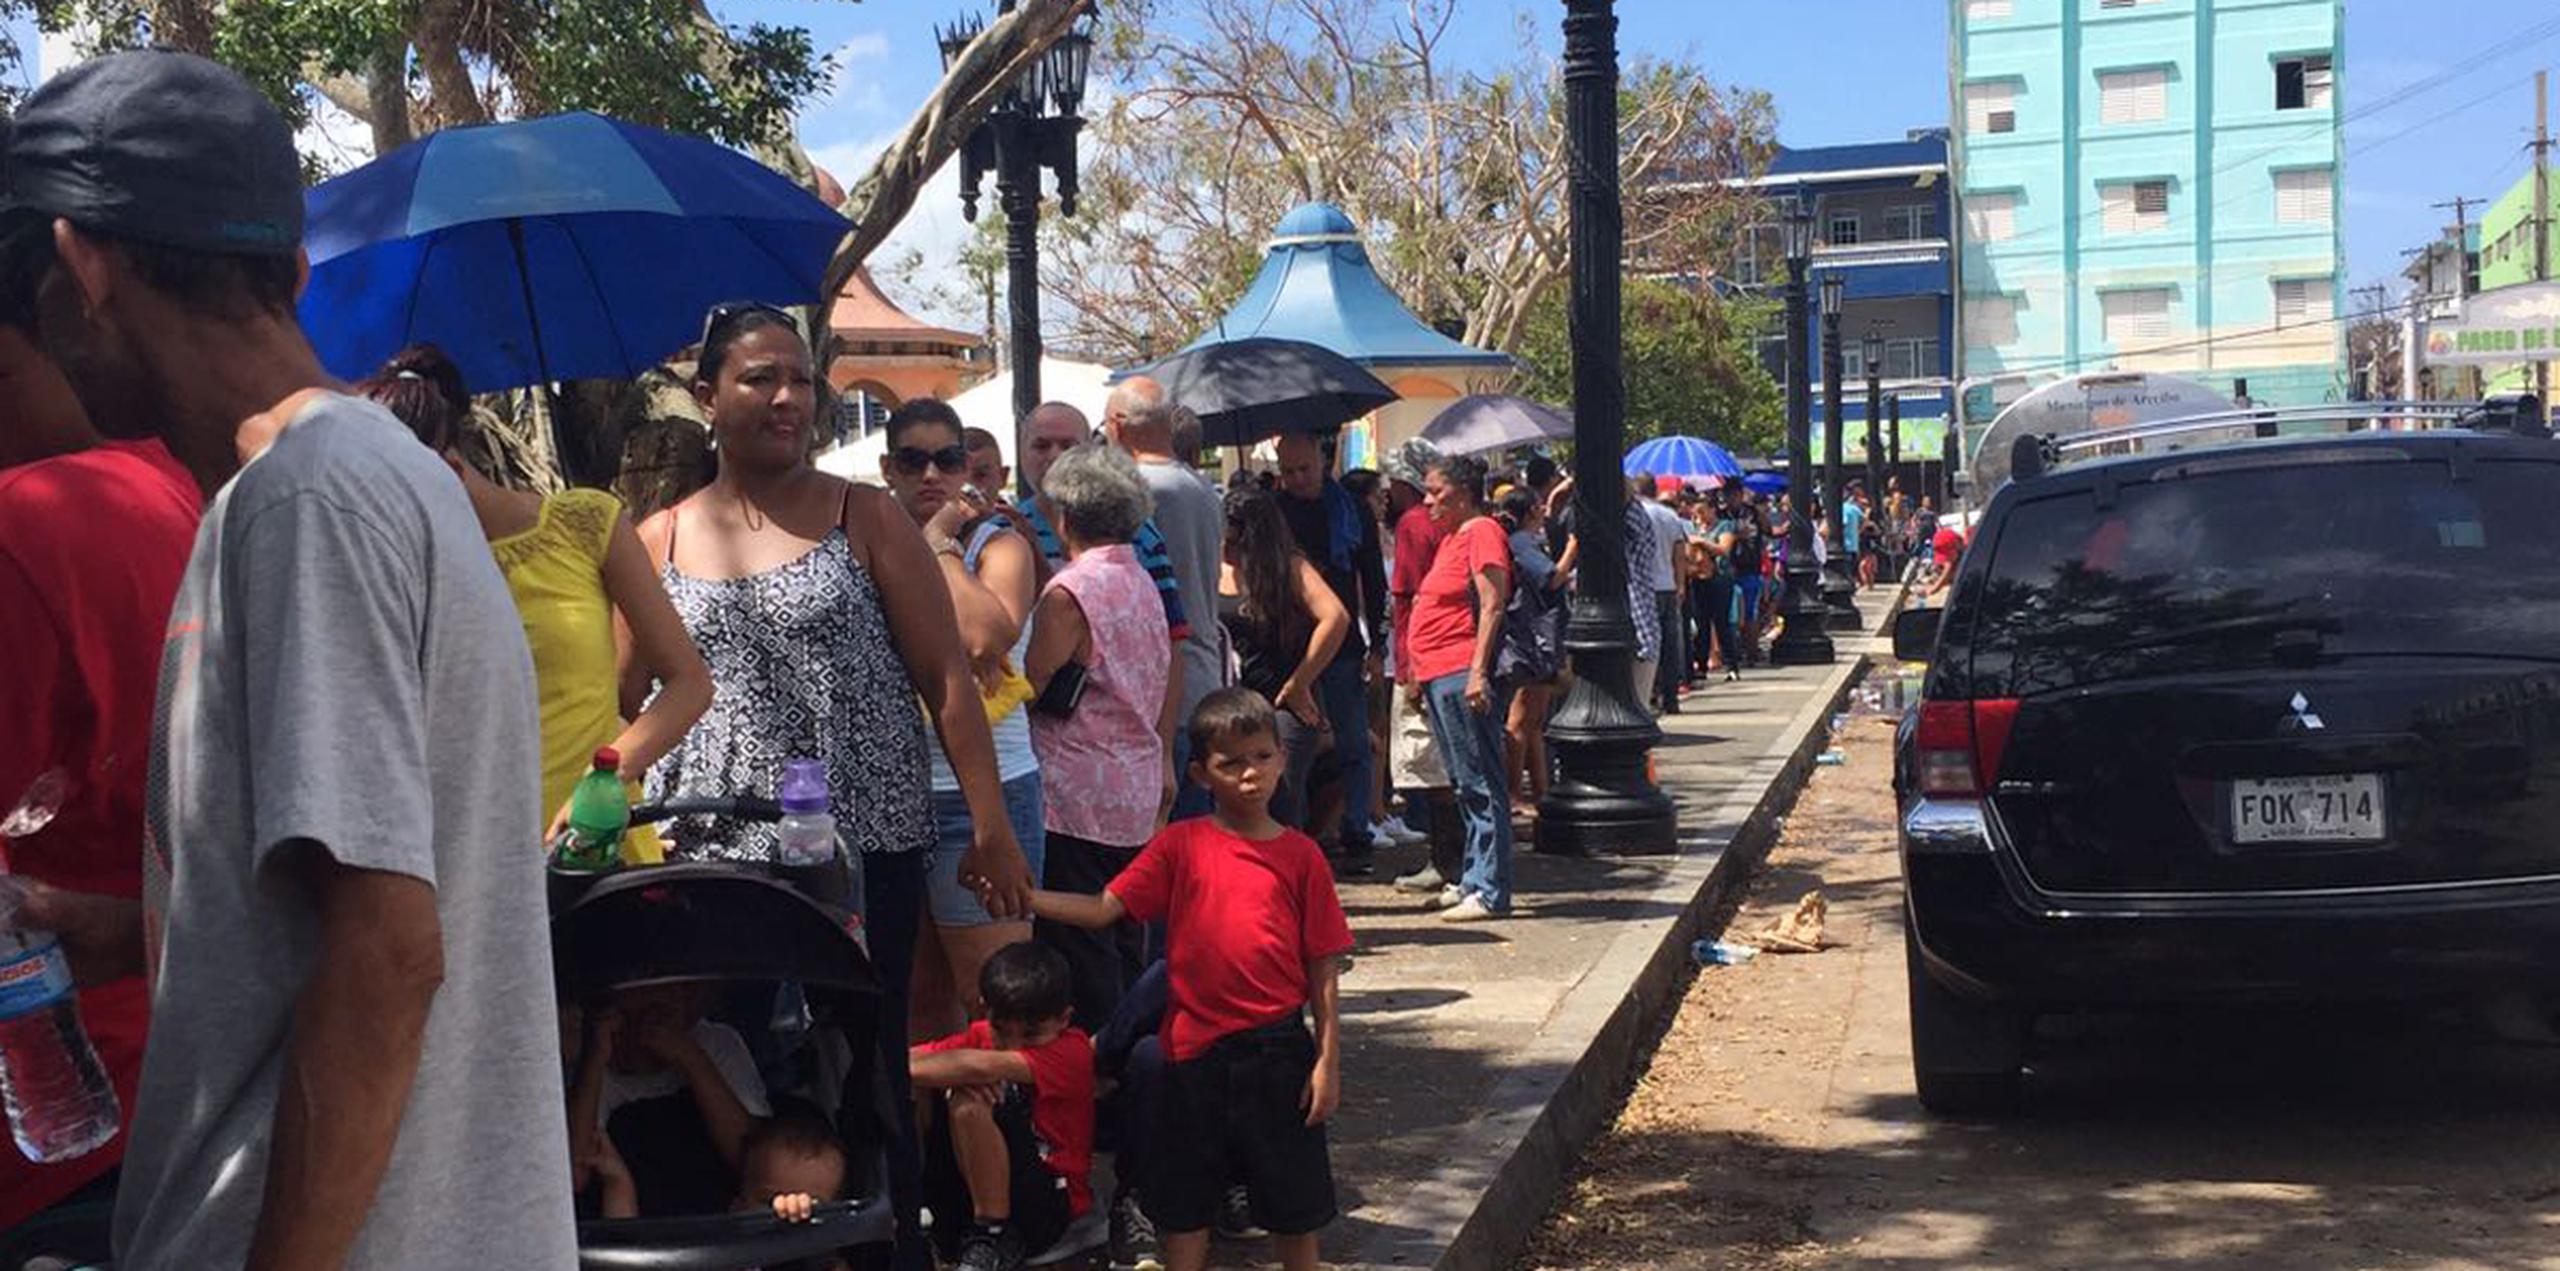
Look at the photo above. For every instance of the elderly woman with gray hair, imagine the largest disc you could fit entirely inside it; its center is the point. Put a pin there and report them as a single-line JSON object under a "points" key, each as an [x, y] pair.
{"points": [[1099, 659]]}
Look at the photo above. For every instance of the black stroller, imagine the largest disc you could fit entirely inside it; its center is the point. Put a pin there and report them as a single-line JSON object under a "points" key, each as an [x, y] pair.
{"points": [[740, 925]]}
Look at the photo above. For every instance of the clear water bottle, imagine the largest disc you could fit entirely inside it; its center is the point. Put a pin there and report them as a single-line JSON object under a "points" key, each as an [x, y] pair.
{"points": [[807, 831], [59, 1101]]}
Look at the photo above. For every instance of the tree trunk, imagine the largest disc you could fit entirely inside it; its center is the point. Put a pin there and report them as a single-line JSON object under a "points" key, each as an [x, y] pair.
{"points": [[449, 87], [185, 25], [387, 95]]}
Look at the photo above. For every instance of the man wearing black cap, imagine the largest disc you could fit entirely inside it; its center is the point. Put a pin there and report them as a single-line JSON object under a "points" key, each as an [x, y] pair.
{"points": [[354, 1055]]}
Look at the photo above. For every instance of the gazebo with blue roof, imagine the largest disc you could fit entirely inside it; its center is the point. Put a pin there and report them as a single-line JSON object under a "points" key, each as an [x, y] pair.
{"points": [[1317, 285]]}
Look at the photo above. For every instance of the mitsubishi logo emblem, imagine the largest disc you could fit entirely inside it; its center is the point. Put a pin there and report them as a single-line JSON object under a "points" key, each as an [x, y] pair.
{"points": [[2302, 716]]}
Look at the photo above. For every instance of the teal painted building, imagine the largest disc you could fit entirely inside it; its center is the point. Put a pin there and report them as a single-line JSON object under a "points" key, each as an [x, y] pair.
{"points": [[2149, 185]]}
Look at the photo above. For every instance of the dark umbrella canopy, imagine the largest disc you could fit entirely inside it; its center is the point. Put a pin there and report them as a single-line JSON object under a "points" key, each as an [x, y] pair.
{"points": [[1246, 390], [1495, 421]]}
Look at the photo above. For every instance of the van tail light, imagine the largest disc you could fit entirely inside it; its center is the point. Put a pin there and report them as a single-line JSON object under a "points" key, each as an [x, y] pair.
{"points": [[1960, 744]]}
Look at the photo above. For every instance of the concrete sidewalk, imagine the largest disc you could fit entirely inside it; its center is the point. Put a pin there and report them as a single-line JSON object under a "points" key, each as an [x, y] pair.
{"points": [[1480, 1058]]}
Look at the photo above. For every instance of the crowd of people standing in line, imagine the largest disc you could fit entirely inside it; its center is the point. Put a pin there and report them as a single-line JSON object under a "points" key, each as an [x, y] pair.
{"points": [[1101, 748]]}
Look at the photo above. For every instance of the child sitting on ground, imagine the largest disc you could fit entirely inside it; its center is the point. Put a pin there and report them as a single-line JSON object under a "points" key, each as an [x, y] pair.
{"points": [[1005, 1109], [1258, 940]]}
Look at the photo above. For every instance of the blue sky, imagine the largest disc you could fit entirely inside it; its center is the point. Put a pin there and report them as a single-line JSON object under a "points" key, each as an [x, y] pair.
{"points": [[1872, 69]]}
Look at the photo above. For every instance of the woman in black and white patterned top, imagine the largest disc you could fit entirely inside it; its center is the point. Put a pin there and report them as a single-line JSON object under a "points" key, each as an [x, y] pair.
{"points": [[821, 611]]}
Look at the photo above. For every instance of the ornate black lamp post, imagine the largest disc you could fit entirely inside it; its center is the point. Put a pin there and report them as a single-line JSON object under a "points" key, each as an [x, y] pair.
{"points": [[1802, 642], [1839, 576], [1602, 798], [1032, 127], [1873, 347]]}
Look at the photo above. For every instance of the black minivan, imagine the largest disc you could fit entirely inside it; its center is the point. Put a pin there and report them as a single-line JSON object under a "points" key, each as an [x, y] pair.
{"points": [[2276, 721]]}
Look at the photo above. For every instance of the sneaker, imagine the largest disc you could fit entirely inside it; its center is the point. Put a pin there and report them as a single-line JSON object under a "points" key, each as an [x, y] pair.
{"points": [[1731, 674], [1360, 864], [1235, 1217], [1449, 897], [1424, 881], [990, 1248], [1133, 1244], [1394, 830], [1470, 909]]}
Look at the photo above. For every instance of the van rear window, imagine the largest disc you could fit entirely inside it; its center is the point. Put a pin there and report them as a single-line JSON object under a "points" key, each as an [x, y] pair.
{"points": [[2224, 569]]}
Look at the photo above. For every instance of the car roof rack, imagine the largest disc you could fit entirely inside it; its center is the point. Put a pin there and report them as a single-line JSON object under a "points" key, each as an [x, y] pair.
{"points": [[2517, 413]]}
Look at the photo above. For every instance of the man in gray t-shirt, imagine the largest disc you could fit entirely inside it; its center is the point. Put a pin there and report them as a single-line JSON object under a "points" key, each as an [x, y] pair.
{"points": [[354, 1055]]}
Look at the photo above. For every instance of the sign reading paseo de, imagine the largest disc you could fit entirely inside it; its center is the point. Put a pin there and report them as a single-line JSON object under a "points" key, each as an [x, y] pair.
{"points": [[2510, 324]]}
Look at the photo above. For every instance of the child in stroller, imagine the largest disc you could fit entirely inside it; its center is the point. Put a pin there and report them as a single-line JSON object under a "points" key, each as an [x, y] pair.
{"points": [[656, 940]]}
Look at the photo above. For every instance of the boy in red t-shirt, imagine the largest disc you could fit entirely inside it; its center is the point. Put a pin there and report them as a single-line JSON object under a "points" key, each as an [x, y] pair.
{"points": [[1006, 1110], [1257, 939]]}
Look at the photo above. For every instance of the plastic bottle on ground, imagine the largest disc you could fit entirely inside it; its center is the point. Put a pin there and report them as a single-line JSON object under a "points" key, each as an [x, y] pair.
{"points": [[599, 812], [59, 1101], [806, 835]]}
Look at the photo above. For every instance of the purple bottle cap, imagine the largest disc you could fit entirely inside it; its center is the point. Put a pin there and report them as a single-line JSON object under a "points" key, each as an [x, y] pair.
{"points": [[804, 786]]}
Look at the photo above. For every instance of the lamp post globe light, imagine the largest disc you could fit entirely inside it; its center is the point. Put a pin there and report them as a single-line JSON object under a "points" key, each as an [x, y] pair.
{"points": [[1839, 581], [1032, 127], [1873, 348], [1602, 798], [1802, 641]]}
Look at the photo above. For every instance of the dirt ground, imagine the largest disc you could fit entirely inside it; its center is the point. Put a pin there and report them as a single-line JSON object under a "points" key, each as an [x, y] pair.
{"points": [[1775, 1127]]}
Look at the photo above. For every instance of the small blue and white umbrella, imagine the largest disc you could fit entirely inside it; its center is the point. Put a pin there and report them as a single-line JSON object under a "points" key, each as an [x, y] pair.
{"points": [[1687, 458], [567, 247]]}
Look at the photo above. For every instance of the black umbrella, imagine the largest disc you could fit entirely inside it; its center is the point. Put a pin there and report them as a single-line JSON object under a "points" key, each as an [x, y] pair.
{"points": [[1246, 390]]}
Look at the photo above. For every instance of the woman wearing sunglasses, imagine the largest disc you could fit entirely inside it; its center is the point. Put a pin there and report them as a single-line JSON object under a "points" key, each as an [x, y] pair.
{"points": [[823, 615], [993, 579]]}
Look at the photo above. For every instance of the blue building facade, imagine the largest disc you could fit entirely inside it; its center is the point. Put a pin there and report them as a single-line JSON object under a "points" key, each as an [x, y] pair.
{"points": [[2149, 185], [1881, 212]]}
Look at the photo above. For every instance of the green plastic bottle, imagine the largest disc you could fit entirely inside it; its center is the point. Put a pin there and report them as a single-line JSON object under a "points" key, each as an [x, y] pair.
{"points": [[599, 812]]}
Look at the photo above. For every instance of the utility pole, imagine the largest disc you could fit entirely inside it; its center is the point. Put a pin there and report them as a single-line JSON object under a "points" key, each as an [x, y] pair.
{"points": [[2463, 386], [2542, 207]]}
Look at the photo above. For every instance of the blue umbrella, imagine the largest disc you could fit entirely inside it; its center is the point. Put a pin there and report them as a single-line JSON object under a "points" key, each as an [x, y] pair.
{"points": [[1682, 457], [567, 247], [1765, 483]]}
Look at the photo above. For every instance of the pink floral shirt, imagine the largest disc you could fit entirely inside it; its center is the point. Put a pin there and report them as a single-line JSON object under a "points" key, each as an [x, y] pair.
{"points": [[1102, 770]]}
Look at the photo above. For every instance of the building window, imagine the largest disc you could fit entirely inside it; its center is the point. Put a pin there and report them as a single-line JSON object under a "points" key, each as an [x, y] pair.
{"points": [[2133, 97], [2136, 317], [2303, 300], [1991, 107], [2303, 83], [1991, 218], [2123, 4], [2303, 196], [1976, 10], [1908, 221], [1990, 320], [2139, 207], [1910, 358], [1844, 229]]}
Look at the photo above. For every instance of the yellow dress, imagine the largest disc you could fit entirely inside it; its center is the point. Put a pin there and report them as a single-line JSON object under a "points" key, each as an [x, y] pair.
{"points": [[556, 570]]}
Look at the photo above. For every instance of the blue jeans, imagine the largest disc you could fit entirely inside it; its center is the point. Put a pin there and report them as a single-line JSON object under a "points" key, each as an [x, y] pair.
{"points": [[955, 905], [1471, 746], [1342, 693]]}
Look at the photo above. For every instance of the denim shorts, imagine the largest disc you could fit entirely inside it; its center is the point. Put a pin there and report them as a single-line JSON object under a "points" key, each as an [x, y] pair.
{"points": [[955, 905]]}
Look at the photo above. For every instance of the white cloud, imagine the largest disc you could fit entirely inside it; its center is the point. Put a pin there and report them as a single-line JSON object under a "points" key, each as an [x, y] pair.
{"points": [[858, 86]]}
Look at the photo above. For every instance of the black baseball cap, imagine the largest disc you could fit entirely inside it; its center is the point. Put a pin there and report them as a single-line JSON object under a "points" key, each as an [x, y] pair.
{"points": [[160, 147]]}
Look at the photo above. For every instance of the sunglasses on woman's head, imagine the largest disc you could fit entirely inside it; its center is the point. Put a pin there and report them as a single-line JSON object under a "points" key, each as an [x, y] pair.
{"points": [[729, 311], [913, 459]]}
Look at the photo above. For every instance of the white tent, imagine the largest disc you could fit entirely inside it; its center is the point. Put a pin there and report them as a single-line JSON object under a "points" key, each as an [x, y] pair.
{"points": [[989, 405]]}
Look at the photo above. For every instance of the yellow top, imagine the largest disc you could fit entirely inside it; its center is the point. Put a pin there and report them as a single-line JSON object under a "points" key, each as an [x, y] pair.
{"points": [[556, 570]]}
